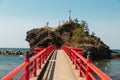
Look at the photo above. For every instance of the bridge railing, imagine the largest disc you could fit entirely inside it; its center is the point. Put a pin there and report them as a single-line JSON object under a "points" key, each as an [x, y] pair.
{"points": [[30, 65], [85, 66]]}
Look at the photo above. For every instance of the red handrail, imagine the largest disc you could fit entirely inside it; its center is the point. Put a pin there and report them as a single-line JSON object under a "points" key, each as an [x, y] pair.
{"points": [[84, 65], [30, 63]]}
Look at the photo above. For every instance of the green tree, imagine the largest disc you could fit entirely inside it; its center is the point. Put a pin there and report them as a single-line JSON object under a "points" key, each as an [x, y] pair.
{"points": [[84, 26], [77, 35]]}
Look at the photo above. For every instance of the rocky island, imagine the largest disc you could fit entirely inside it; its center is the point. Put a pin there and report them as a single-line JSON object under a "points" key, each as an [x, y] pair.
{"points": [[73, 34]]}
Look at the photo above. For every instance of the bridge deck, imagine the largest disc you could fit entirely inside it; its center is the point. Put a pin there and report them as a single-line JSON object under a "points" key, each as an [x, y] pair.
{"points": [[61, 68]]}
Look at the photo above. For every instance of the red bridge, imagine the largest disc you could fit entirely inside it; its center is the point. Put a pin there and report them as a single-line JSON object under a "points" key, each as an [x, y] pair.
{"points": [[51, 64]]}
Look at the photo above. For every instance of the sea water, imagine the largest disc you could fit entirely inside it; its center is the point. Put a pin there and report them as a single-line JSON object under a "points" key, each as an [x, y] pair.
{"points": [[10, 62], [116, 50], [110, 67]]}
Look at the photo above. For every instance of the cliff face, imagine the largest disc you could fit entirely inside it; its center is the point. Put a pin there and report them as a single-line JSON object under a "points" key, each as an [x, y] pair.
{"points": [[42, 37], [71, 34]]}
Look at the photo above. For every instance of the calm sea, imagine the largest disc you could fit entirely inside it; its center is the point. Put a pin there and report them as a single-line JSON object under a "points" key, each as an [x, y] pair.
{"points": [[110, 67], [9, 62], [116, 50]]}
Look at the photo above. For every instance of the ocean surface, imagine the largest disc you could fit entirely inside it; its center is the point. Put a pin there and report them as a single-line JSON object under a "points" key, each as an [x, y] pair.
{"points": [[9, 62], [116, 50], [110, 67]]}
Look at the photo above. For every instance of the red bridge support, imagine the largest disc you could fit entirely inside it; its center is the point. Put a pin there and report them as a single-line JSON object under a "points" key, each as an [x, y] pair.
{"points": [[30, 65], [84, 65]]}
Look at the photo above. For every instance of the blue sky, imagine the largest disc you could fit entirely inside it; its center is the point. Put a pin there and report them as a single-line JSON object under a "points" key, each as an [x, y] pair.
{"points": [[19, 16]]}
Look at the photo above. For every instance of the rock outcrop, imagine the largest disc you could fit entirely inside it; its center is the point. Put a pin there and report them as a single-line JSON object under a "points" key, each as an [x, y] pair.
{"points": [[42, 37], [71, 34], [12, 52]]}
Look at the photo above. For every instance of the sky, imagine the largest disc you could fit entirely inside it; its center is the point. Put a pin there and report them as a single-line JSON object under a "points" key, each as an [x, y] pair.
{"points": [[19, 16]]}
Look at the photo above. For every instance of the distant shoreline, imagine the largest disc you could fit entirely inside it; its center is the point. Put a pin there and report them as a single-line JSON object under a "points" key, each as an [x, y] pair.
{"points": [[13, 51], [116, 50]]}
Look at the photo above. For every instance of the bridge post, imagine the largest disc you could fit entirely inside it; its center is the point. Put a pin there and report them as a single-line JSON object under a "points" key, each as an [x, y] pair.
{"points": [[80, 60], [76, 58], [39, 58], [36, 50], [39, 62], [72, 55], [69, 53], [46, 54], [87, 67], [26, 77], [80, 68]]}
